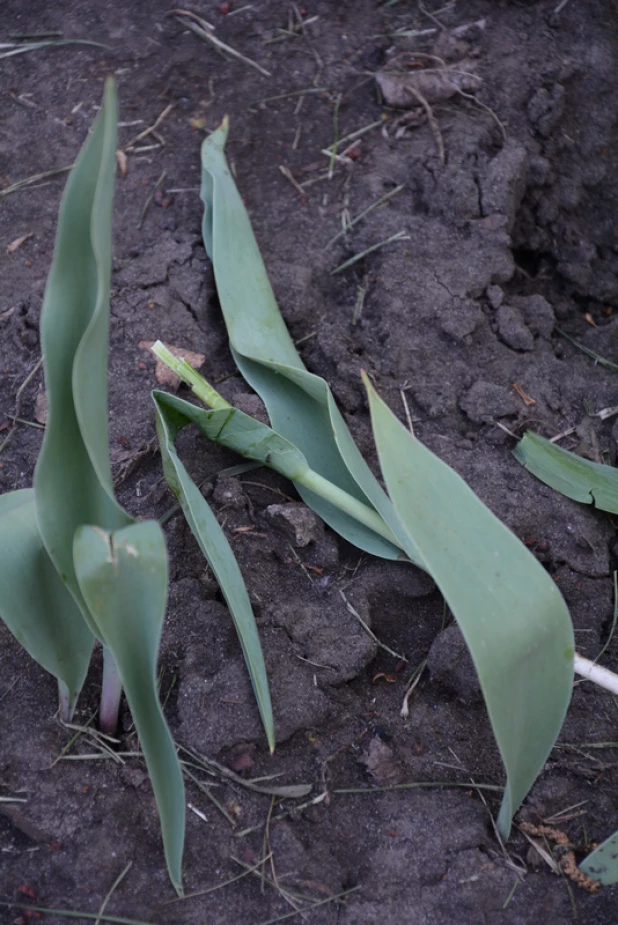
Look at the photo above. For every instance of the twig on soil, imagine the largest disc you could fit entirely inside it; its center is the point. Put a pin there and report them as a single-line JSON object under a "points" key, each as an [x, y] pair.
{"points": [[310, 903], [488, 109], [416, 677], [353, 136], [28, 181], [202, 29], [400, 236], [35, 46], [603, 414], [18, 398], [369, 631], [562, 816], [218, 886], [241, 9], [74, 738], [361, 295], [335, 144], [431, 16], [283, 96], [287, 173], [70, 914], [151, 197], [364, 213], [112, 890], [205, 790], [421, 784], [405, 33], [151, 130], [197, 812], [213, 768], [433, 123]]}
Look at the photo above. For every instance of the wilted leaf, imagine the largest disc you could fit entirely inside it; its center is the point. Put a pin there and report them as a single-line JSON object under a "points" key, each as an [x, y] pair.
{"points": [[577, 478], [511, 614]]}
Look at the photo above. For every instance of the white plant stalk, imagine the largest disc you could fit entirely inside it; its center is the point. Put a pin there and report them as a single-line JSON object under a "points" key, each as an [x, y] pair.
{"points": [[596, 673]]}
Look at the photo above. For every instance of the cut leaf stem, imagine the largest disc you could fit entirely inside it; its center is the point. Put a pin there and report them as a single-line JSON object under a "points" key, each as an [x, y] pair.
{"points": [[596, 673], [199, 386], [309, 478], [346, 503]]}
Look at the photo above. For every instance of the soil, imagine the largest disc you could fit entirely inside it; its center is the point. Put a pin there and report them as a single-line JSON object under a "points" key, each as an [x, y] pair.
{"points": [[509, 210]]}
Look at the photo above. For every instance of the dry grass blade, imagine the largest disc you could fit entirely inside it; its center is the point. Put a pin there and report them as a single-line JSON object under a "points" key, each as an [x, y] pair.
{"points": [[369, 631], [35, 178], [213, 767], [71, 914], [364, 213], [218, 886], [313, 905], [285, 96], [202, 29], [111, 892], [36, 46], [421, 785], [400, 236], [18, 398]]}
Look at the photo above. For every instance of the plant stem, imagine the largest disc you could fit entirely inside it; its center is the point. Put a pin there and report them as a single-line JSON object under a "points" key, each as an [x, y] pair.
{"points": [[203, 389], [111, 692], [347, 503], [596, 673], [67, 702], [310, 479]]}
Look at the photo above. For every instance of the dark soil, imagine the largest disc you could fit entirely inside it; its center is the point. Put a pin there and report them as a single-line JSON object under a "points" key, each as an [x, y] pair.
{"points": [[513, 235]]}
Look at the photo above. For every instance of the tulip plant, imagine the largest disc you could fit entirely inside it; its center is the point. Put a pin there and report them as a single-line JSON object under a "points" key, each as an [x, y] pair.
{"points": [[513, 618], [75, 567]]}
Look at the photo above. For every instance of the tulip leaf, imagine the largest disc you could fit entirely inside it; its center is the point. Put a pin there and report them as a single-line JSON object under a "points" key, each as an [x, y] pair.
{"points": [[577, 478], [72, 480], [602, 863], [511, 614], [34, 603], [300, 405], [123, 578], [172, 415]]}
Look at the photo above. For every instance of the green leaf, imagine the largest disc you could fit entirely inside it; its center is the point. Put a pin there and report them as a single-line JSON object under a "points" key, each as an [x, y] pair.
{"points": [[577, 478], [173, 414], [237, 431], [123, 578], [72, 480], [512, 616], [300, 405], [602, 863], [34, 603]]}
